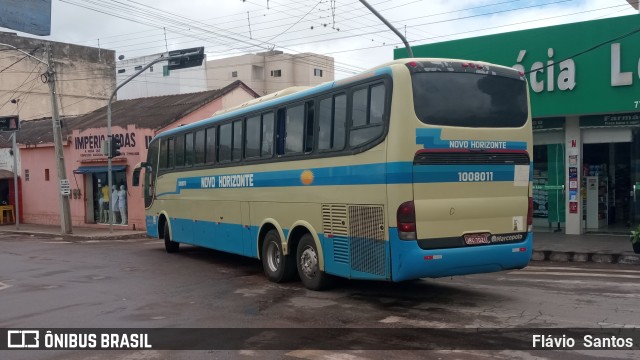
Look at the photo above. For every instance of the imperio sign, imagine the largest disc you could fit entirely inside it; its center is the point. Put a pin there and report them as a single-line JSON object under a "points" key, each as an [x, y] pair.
{"points": [[89, 146]]}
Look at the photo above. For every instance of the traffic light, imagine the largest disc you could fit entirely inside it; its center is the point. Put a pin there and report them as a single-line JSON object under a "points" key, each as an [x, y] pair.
{"points": [[186, 58], [9, 123], [116, 144]]}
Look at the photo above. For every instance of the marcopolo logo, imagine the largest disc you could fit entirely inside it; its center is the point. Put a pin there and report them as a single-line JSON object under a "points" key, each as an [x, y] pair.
{"points": [[516, 237], [23, 339]]}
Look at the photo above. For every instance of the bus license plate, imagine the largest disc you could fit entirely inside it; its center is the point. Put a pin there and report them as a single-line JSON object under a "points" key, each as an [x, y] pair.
{"points": [[476, 239]]}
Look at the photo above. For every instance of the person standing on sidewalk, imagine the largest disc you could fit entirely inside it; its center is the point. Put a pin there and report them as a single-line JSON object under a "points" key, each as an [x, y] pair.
{"points": [[114, 204], [104, 211], [122, 205]]}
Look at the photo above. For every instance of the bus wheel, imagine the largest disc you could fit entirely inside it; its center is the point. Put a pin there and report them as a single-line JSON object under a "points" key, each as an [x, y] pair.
{"points": [[309, 265], [277, 266], [169, 245]]}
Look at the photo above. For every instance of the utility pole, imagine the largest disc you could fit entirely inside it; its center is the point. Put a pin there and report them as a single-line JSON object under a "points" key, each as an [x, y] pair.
{"points": [[15, 179], [15, 167], [65, 209]]}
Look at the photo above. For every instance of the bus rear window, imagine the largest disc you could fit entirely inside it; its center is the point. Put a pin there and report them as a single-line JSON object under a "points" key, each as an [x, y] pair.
{"points": [[469, 99]]}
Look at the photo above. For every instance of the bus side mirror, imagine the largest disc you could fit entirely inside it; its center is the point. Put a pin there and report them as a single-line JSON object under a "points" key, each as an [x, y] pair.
{"points": [[136, 174]]}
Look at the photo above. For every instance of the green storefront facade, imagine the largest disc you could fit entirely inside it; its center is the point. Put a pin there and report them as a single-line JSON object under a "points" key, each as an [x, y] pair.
{"points": [[584, 84]]}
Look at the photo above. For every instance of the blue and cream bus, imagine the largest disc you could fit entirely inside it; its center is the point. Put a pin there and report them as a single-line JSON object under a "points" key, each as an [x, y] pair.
{"points": [[417, 168]]}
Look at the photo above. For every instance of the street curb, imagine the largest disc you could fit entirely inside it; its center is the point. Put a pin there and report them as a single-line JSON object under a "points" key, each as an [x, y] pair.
{"points": [[600, 258], [77, 237]]}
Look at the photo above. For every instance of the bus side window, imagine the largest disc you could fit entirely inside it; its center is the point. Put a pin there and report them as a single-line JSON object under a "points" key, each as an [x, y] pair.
{"points": [[359, 108], [164, 154], [224, 141], [294, 129], [339, 138], [252, 137], [324, 124], [367, 111], [199, 147], [170, 155], [332, 115], [188, 149], [280, 131], [236, 153], [309, 128], [376, 104], [267, 135], [210, 155], [179, 150]]}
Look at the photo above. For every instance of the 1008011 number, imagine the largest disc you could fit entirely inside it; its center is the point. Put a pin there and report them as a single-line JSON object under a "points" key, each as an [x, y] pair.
{"points": [[475, 176]]}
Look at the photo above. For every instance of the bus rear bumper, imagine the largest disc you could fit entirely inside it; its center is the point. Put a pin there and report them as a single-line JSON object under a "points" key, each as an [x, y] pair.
{"points": [[409, 261]]}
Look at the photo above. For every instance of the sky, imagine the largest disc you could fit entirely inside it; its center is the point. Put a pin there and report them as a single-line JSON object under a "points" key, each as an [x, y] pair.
{"points": [[343, 29]]}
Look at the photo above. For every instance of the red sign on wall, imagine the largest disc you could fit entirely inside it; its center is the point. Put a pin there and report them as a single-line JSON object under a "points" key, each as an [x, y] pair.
{"points": [[573, 207]]}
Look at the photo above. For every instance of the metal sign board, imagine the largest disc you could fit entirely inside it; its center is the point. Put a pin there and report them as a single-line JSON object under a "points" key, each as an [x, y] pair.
{"points": [[33, 16], [65, 187], [552, 123], [609, 120]]}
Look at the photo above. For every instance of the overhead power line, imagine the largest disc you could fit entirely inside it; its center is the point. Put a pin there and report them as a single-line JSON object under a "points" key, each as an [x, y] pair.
{"points": [[150, 15], [307, 42], [15, 62]]}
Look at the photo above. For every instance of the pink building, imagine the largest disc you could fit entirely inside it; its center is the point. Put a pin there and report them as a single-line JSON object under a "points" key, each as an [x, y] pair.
{"points": [[135, 122]]}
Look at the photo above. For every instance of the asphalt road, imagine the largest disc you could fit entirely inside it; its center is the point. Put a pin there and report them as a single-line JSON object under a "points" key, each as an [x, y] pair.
{"points": [[51, 283]]}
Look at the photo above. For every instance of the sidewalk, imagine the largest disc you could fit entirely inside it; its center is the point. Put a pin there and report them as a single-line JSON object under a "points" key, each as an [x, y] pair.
{"points": [[547, 246], [79, 233], [599, 248]]}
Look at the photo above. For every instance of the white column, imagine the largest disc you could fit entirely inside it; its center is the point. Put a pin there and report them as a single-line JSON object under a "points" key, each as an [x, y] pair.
{"points": [[573, 148]]}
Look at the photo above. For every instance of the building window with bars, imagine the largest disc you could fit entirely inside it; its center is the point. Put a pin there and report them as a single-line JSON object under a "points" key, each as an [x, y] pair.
{"points": [[26, 175], [317, 72], [234, 74], [276, 73]]}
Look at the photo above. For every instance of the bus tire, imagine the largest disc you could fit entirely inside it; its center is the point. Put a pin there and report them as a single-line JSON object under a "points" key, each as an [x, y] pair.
{"points": [[169, 245], [278, 267], [308, 264]]}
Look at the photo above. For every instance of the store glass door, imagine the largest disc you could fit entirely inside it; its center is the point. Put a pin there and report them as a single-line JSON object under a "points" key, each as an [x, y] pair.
{"points": [[634, 188], [548, 187]]}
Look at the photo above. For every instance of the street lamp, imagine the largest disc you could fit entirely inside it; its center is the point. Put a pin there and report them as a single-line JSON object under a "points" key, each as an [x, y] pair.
{"points": [[404, 40], [178, 59]]}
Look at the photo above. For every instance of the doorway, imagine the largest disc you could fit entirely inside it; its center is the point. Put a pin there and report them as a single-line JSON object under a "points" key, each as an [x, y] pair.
{"points": [[97, 212], [606, 178]]}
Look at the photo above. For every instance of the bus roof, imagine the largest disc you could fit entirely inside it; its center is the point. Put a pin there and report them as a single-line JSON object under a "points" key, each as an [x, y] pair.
{"points": [[273, 99], [299, 92], [274, 95]]}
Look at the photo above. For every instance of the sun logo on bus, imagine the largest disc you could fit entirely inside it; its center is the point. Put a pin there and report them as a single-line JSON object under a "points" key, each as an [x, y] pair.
{"points": [[306, 177]]}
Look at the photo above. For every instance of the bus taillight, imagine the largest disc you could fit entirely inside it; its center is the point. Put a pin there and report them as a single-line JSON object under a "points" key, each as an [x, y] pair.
{"points": [[530, 214], [406, 218]]}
